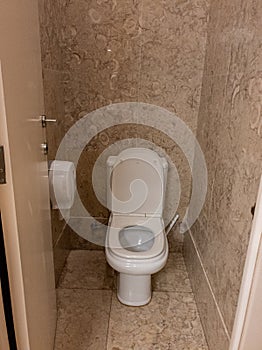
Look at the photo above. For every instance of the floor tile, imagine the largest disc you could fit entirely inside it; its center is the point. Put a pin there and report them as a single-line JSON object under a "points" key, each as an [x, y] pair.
{"points": [[82, 319], [169, 322], [173, 277], [86, 270]]}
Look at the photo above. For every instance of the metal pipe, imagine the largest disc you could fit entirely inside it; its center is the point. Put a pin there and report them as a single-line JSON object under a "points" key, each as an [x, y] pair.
{"points": [[172, 223]]}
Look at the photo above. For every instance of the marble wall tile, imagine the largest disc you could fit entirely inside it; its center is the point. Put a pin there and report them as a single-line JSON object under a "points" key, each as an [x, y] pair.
{"points": [[173, 51], [101, 54], [51, 55], [101, 62], [93, 230], [50, 34], [178, 188], [54, 109], [237, 168], [107, 52], [87, 92], [229, 134], [97, 34], [230, 31], [152, 139], [111, 54], [175, 240], [85, 181], [124, 51]]}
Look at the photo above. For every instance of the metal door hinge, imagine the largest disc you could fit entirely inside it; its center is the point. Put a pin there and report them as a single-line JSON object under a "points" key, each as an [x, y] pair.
{"points": [[44, 147], [2, 166]]}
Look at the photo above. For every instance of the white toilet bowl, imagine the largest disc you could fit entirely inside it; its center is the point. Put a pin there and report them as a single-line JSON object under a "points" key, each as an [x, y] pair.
{"points": [[136, 243], [135, 266]]}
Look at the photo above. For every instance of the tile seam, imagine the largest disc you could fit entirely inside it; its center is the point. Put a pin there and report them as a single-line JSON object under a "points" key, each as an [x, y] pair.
{"points": [[109, 317], [209, 286]]}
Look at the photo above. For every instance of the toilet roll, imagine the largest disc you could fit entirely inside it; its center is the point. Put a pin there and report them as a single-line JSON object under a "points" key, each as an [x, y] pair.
{"points": [[62, 184]]}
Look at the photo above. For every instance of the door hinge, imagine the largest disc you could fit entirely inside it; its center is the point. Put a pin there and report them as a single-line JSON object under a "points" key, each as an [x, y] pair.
{"points": [[2, 166]]}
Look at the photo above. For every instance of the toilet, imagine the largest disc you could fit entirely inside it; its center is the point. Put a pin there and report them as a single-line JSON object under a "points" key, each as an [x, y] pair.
{"points": [[136, 242]]}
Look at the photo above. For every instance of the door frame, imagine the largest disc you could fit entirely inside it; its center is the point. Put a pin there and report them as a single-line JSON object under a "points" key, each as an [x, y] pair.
{"points": [[4, 343], [248, 314]]}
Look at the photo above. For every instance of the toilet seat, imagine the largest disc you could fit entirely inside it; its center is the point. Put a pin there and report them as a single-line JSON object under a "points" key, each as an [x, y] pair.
{"points": [[118, 222]]}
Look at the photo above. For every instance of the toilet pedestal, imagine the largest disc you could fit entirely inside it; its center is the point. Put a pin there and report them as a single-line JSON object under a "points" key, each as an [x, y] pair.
{"points": [[134, 290]]}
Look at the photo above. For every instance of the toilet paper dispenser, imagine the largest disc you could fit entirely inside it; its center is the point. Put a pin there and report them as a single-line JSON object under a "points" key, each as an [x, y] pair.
{"points": [[62, 184]]}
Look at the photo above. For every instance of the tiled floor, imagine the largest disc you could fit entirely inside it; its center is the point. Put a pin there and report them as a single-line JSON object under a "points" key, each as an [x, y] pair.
{"points": [[91, 317]]}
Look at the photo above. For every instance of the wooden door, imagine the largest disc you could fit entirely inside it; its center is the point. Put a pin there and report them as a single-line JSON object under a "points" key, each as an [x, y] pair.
{"points": [[24, 199]]}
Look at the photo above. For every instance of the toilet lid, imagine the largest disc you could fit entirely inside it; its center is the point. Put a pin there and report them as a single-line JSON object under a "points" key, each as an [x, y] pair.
{"points": [[147, 242], [137, 182]]}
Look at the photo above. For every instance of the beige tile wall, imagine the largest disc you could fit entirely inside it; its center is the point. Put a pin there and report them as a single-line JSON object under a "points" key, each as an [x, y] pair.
{"points": [[97, 53], [132, 51], [230, 133]]}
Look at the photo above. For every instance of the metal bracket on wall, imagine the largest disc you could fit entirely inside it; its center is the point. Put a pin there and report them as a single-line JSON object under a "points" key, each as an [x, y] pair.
{"points": [[44, 120], [2, 166]]}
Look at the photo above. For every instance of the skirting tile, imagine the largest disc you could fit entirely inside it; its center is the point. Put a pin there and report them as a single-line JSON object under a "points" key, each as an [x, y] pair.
{"points": [[215, 332]]}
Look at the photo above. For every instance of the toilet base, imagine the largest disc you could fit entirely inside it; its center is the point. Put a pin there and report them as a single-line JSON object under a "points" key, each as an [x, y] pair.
{"points": [[134, 290]]}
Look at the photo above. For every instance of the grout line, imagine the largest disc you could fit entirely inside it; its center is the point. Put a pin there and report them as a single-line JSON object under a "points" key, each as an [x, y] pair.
{"points": [[210, 287], [60, 235], [56, 322], [112, 290], [139, 85], [89, 217], [202, 325], [63, 269], [83, 288], [109, 317], [173, 291]]}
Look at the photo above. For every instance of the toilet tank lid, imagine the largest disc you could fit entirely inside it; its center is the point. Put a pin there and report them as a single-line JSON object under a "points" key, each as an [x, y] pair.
{"points": [[137, 153]]}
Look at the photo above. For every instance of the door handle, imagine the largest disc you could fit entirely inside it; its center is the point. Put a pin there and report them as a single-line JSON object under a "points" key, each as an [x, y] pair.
{"points": [[45, 120]]}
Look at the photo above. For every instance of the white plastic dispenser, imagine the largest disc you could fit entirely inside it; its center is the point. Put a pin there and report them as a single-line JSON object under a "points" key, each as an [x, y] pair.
{"points": [[62, 184]]}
